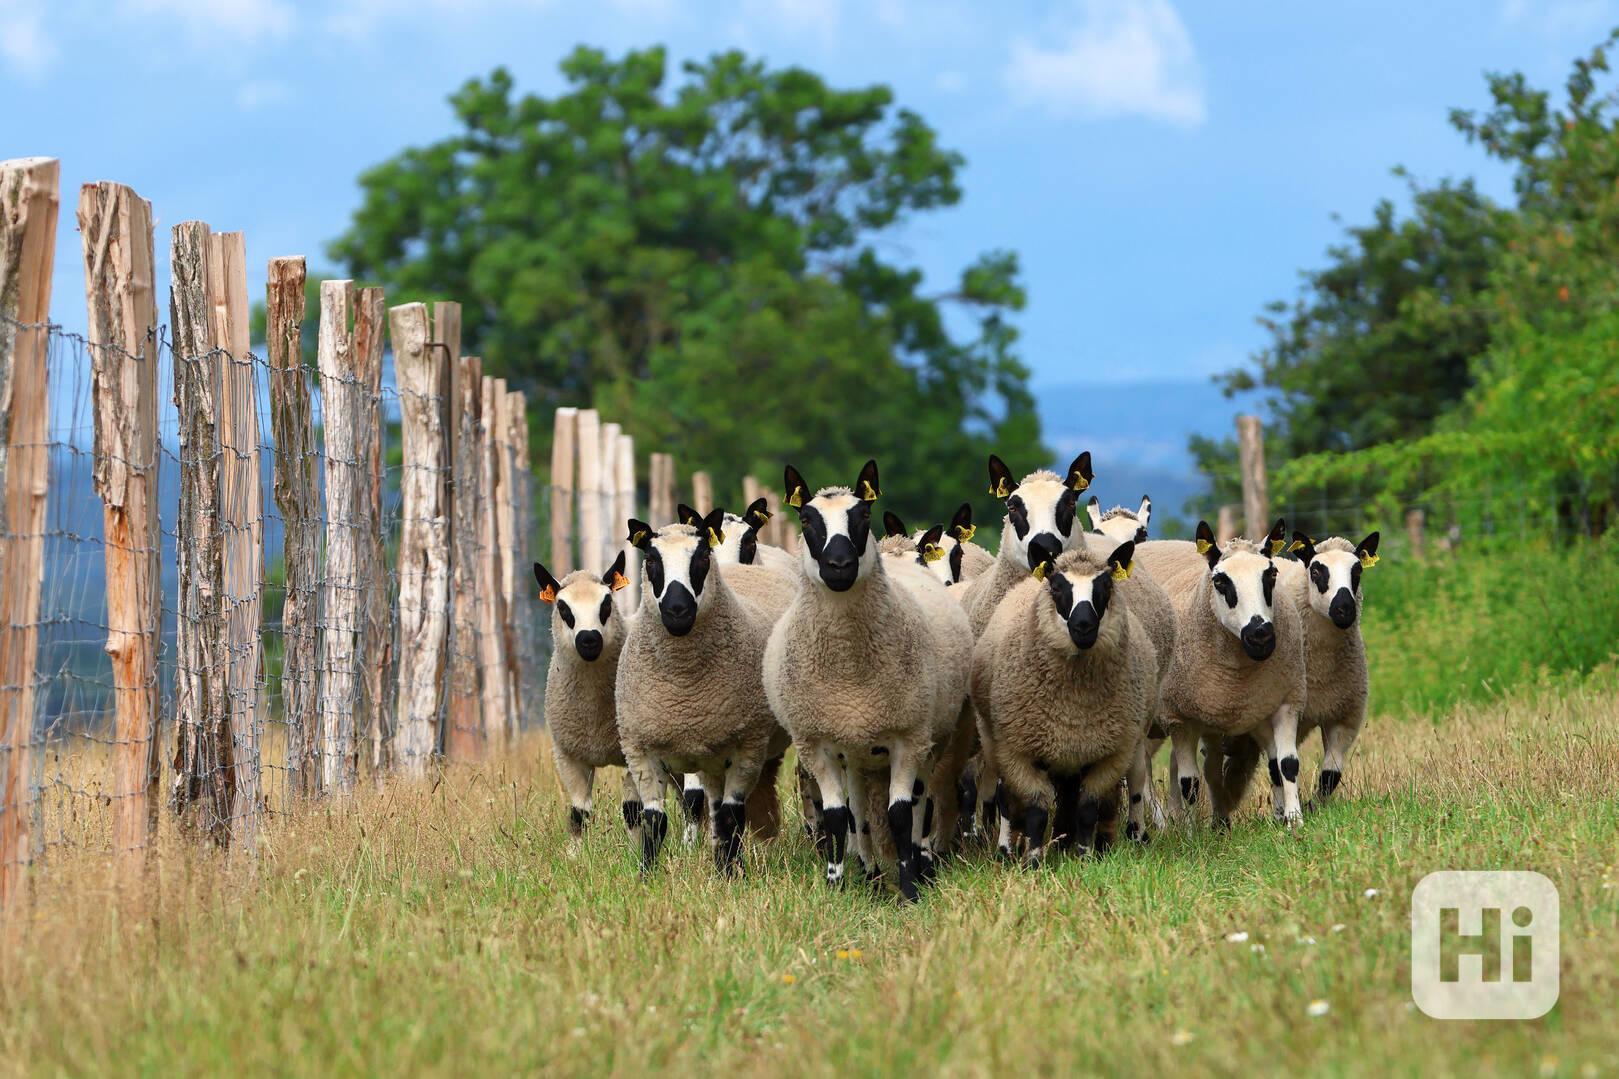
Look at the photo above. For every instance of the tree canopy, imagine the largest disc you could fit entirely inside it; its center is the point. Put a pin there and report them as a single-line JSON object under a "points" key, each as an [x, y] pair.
{"points": [[704, 260]]}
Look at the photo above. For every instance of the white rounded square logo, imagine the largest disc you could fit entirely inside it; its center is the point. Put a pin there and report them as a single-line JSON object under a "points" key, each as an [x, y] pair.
{"points": [[1484, 945]]}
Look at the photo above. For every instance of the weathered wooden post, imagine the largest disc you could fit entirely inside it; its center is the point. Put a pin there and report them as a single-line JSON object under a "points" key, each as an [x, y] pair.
{"points": [[342, 410], [661, 496], [116, 228], [562, 477], [702, 492], [424, 537], [491, 604], [298, 495], [1416, 532], [463, 737], [611, 527], [629, 598], [28, 207], [376, 628], [1255, 487], [591, 532], [519, 577]]}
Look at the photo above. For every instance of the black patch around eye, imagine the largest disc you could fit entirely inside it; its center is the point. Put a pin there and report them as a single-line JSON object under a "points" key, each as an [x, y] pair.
{"points": [[814, 527], [860, 526], [1354, 579], [1062, 594], [607, 607], [654, 571], [700, 559], [747, 552], [1228, 591], [1065, 511], [1018, 514], [1319, 577], [1269, 583], [566, 612], [1141, 535], [956, 554], [1101, 591]]}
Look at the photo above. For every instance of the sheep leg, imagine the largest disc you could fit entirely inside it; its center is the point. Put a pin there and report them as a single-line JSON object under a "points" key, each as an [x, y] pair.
{"points": [[860, 808], [730, 816], [577, 781], [1097, 811], [835, 816], [632, 807], [648, 776], [694, 801], [1278, 807], [1065, 812], [1284, 732], [1336, 741], [1003, 821], [1034, 791], [902, 786], [809, 801], [922, 824], [1139, 782], [763, 810], [1149, 790], [1185, 771]]}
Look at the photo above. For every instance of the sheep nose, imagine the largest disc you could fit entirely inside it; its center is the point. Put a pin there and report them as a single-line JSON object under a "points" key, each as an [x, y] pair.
{"points": [[1342, 609], [589, 644], [1043, 547], [678, 609], [1083, 625], [840, 565], [1258, 638]]}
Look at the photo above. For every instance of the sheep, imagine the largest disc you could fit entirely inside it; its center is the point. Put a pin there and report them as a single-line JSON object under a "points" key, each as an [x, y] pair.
{"points": [[1237, 677], [690, 693], [1324, 585], [963, 559], [1065, 682], [1118, 523], [741, 544], [587, 632], [868, 671]]}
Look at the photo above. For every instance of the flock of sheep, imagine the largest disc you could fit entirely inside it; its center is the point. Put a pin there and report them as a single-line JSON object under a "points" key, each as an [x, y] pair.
{"points": [[936, 692]]}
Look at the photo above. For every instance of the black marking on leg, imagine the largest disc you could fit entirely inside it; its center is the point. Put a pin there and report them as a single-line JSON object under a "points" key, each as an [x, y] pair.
{"points": [[654, 826], [1065, 816], [1087, 813], [1290, 768], [1134, 832], [927, 816], [694, 804], [1034, 826], [1275, 773], [835, 826], [577, 819], [1189, 790], [1135, 798], [728, 821], [1328, 782], [927, 866], [899, 828], [632, 814], [966, 795]]}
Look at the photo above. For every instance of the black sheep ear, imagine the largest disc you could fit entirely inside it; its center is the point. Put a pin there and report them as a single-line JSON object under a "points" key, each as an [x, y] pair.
{"points": [[1144, 514], [640, 535], [892, 525], [1001, 483], [757, 513], [1122, 560], [928, 548], [1366, 551], [865, 485], [1276, 540], [712, 527], [1303, 546], [1079, 472], [961, 525], [1093, 509], [687, 516], [614, 578], [1206, 545], [548, 584], [798, 493]]}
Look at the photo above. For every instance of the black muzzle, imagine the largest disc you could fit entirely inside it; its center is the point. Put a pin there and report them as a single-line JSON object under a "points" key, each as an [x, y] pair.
{"points": [[678, 609], [1258, 638], [1083, 625], [839, 564], [589, 644], [1342, 610]]}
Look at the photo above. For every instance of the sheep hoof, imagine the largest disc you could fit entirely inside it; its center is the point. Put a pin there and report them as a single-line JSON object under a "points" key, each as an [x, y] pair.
{"points": [[907, 884], [1135, 833], [927, 867], [1293, 819]]}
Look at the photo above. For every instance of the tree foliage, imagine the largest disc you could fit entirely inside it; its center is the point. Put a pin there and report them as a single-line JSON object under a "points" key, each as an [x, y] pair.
{"points": [[703, 260]]}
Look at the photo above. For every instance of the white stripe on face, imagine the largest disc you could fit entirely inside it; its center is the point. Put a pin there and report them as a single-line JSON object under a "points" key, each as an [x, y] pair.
{"points": [[579, 609], [837, 527], [1243, 596], [1041, 507]]}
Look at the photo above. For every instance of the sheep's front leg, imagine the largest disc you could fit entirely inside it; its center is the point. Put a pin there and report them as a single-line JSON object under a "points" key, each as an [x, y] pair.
{"points": [[1336, 741], [631, 806], [860, 826], [1026, 786], [1284, 749], [648, 775], [1278, 807], [1138, 780], [835, 816], [902, 811], [694, 801], [1154, 805], [730, 816], [1184, 776], [577, 781], [809, 801]]}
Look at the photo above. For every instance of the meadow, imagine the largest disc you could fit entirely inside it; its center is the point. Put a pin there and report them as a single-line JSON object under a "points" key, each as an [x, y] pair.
{"points": [[452, 927]]}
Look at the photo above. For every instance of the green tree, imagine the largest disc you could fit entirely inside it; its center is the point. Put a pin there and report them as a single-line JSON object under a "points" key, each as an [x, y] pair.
{"points": [[701, 260]]}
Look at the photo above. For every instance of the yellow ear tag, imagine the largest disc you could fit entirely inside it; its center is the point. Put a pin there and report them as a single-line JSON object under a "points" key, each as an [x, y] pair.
{"points": [[964, 533], [638, 537], [765, 515], [1368, 560], [1122, 573], [1277, 546], [796, 498], [715, 538], [932, 552], [1078, 482], [1295, 547], [868, 493], [1039, 572], [620, 581], [1000, 490], [548, 594], [1203, 546]]}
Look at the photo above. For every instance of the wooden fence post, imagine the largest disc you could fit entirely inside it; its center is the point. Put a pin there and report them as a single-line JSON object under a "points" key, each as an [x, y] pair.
{"points": [[297, 493], [519, 578], [591, 534], [751, 489], [1255, 486], [200, 796], [702, 492], [629, 598], [1416, 521], [611, 527], [28, 207], [661, 496], [116, 228], [463, 736], [491, 603], [376, 638], [566, 426], [424, 537], [342, 412]]}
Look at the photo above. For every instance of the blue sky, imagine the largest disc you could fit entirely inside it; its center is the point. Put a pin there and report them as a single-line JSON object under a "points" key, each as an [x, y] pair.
{"points": [[1163, 168]]}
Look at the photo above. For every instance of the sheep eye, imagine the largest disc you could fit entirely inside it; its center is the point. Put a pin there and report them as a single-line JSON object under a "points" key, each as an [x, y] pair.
{"points": [[1268, 581], [814, 532], [1018, 514], [1065, 511], [566, 612], [699, 568], [1354, 578], [654, 571], [1319, 577], [607, 608], [1227, 590]]}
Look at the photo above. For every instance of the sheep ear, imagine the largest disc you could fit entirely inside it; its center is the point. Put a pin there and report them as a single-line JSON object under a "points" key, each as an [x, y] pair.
{"points": [[640, 534], [798, 494], [1043, 569], [1303, 546], [548, 584], [1079, 472], [687, 516], [927, 548], [1366, 551], [961, 525], [892, 525], [1144, 514], [1206, 545], [614, 577], [1001, 483], [1093, 509], [865, 485], [757, 513], [1122, 560], [713, 526], [1276, 541]]}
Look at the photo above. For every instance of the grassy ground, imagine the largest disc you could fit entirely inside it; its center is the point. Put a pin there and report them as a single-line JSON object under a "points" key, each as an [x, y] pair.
{"points": [[453, 928]]}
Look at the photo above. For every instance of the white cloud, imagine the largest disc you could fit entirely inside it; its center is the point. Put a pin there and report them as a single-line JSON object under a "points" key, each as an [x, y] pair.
{"points": [[1112, 58], [360, 20], [241, 20], [1558, 18], [25, 47], [255, 94], [793, 16]]}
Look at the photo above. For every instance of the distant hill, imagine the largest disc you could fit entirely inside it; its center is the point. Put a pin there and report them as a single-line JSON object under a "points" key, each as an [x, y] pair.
{"points": [[1137, 433]]}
